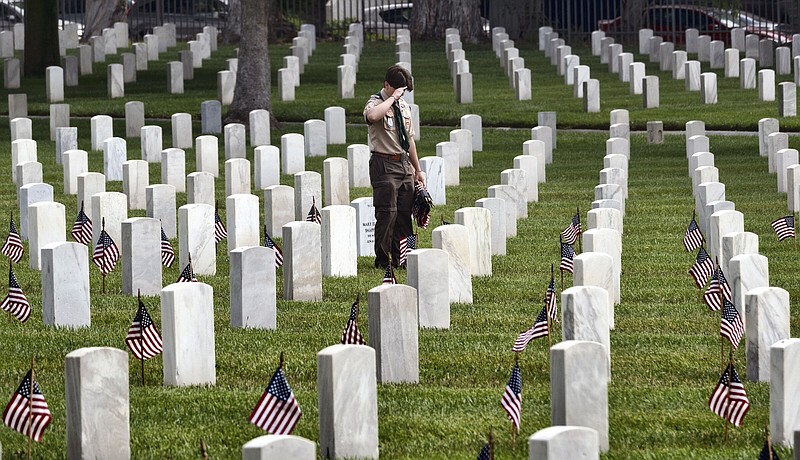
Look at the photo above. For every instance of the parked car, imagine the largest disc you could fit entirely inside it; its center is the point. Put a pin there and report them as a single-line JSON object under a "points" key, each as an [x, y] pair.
{"points": [[671, 22], [189, 16], [386, 19]]}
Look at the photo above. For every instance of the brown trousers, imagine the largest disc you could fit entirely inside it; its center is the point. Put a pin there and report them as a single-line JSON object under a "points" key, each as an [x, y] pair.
{"points": [[392, 195]]}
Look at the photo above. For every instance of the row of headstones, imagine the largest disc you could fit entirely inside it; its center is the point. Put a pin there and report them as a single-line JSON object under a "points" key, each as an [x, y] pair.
{"points": [[347, 70], [302, 48], [781, 160], [519, 77], [117, 75], [676, 61], [771, 355], [98, 409], [459, 66]]}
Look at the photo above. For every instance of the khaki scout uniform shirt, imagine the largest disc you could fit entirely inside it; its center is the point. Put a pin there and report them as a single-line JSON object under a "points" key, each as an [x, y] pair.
{"points": [[383, 135]]}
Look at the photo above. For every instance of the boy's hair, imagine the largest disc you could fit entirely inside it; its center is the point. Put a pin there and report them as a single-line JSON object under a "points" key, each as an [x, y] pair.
{"points": [[398, 77]]}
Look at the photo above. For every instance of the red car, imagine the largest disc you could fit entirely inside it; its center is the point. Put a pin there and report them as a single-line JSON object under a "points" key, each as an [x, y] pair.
{"points": [[671, 21]]}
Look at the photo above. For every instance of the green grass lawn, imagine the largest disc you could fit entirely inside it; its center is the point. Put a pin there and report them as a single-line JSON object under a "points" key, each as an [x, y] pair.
{"points": [[665, 348]]}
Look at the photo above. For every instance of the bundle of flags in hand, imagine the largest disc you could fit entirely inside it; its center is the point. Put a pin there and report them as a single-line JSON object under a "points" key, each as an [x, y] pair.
{"points": [[421, 209], [13, 246], [27, 412], [784, 227]]}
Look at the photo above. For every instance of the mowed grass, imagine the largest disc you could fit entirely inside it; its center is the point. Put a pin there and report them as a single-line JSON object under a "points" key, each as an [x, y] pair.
{"points": [[665, 347]]}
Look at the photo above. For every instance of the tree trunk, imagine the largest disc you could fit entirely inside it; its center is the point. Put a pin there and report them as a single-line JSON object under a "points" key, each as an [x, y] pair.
{"points": [[41, 36], [430, 18], [233, 27], [632, 19], [253, 77]]}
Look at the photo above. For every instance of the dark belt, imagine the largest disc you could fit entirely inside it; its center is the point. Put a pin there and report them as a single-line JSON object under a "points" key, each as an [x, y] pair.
{"points": [[389, 156]]}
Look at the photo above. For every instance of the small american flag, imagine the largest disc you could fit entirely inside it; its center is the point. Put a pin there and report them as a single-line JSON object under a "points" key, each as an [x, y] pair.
{"points": [[277, 412], [768, 453], [573, 230], [82, 228], [388, 276], [407, 244], [106, 253], [167, 253], [15, 302], [486, 453], [540, 328], [703, 268], [550, 300], [23, 407], [784, 227], [351, 334], [567, 256], [512, 397], [13, 246], [729, 400], [717, 288], [693, 238], [271, 244], [143, 338], [731, 326], [187, 274], [313, 213], [220, 233]]}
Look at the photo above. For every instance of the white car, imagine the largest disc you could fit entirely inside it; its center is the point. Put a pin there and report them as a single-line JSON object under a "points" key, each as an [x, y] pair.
{"points": [[386, 19]]}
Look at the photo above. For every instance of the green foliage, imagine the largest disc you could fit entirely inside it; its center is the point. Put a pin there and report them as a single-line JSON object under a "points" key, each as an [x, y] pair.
{"points": [[666, 346]]}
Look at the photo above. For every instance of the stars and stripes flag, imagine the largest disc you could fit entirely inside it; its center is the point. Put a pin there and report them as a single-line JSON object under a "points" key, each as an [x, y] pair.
{"points": [[731, 326], [167, 253], [271, 244], [15, 302], [768, 453], [702, 269], [26, 407], [693, 238], [573, 230], [717, 290], [729, 400], [512, 397], [220, 233], [277, 412], [550, 300], [82, 228], [407, 244], [313, 213], [567, 256], [187, 274], [388, 276], [351, 335], [540, 328], [485, 453], [13, 246], [143, 338], [106, 253], [784, 227]]}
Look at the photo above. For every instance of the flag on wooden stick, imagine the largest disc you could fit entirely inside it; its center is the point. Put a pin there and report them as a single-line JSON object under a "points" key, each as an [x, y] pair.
{"points": [[27, 412], [13, 246]]}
